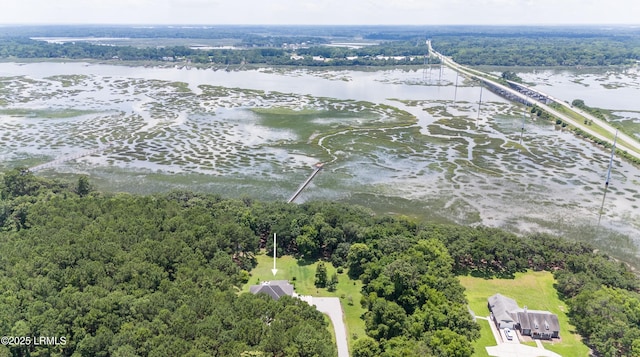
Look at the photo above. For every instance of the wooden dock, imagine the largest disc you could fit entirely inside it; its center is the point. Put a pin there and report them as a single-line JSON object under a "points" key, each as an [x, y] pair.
{"points": [[70, 157], [304, 185]]}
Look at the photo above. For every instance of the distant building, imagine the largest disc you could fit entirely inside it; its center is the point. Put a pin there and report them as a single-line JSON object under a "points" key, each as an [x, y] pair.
{"points": [[506, 313], [276, 289]]}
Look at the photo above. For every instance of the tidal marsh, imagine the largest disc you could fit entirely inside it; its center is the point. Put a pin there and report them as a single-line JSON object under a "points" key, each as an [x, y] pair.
{"points": [[389, 140]]}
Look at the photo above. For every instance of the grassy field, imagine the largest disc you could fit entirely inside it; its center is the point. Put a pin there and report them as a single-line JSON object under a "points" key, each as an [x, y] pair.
{"points": [[534, 290], [302, 275], [486, 339]]}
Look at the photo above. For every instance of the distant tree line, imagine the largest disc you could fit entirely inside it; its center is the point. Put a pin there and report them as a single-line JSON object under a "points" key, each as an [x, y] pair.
{"points": [[245, 36], [469, 45], [264, 51], [508, 50], [158, 275], [473, 51]]}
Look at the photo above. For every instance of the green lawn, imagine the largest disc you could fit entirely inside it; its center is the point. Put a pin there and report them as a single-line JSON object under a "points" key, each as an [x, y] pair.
{"points": [[486, 339], [534, 290], [302, 275]]}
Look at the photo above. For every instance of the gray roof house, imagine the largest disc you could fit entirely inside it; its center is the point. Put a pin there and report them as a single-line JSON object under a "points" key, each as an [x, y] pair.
{"points": [[274, 288], [538, 324], [501, 308]]}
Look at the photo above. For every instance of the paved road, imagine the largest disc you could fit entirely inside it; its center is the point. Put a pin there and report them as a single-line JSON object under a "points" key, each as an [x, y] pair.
{"points": [[519, 350], [331, 306], [624, 141], [621, 136]]}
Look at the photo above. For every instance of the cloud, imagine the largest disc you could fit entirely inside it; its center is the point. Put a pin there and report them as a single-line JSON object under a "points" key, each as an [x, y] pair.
{"points": [[415, 12], [193, 3]]}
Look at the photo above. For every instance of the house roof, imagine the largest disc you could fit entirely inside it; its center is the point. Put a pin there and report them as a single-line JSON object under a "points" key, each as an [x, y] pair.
{"points": [[502, 306], [506, 309], [275, 288], [538, 321]]}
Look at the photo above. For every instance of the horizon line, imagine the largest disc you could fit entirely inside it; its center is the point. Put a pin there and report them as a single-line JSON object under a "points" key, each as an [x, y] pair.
{"points": [[325, 25]]}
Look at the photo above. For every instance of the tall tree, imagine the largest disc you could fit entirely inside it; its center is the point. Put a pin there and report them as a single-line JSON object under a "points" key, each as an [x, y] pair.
{"points": [[84, 186], [321, 275]]}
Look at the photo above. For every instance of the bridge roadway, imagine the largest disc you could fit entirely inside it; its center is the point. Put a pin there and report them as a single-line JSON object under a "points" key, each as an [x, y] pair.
{"points": [[624, 143]]}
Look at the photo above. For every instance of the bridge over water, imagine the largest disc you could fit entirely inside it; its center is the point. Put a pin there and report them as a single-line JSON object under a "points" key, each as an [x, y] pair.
{"points": [[528, 96]]}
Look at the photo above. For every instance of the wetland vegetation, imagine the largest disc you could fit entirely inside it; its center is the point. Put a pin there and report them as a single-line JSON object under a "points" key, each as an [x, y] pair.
{"points": [[404, 141], [417, 146]]}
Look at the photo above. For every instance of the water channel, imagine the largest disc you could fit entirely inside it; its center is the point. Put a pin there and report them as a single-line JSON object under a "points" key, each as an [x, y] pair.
{"points": [[401, 141]]}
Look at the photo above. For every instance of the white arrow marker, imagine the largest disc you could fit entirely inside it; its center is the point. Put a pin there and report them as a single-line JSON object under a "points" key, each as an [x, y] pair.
{"points": [[274, 270]]}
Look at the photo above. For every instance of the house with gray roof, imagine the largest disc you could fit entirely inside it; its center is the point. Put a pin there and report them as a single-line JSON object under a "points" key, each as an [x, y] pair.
{"points": [[501, 308], [274, 288], [538, 324], [506, 313]]}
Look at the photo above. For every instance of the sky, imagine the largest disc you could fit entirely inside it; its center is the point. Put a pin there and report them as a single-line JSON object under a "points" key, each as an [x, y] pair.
{"points": [[322, 12]]}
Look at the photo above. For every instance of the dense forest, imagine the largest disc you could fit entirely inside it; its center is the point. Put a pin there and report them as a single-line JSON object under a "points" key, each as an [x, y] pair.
{"points": [[159, 275], [298, 45], [138, 276], [540, 51], [27, 48]]}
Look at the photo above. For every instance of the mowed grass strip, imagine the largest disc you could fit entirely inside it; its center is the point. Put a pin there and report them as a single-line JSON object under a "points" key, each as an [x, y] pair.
{"points": [[486, 339], [304, 272], [534, 290]]}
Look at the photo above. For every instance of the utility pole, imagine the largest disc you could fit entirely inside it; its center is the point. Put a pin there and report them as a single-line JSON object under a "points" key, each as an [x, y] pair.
{"points": [[479, 104], [606, 183]]}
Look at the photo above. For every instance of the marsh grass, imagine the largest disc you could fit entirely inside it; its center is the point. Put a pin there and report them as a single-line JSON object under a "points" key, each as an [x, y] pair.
{"points": [[45, 113], [235, 141], [69, 80]]}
